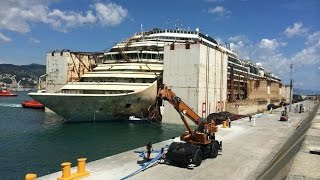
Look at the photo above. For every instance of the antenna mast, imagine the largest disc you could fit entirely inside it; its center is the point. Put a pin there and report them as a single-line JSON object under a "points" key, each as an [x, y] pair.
{"points": [[142, 31]]}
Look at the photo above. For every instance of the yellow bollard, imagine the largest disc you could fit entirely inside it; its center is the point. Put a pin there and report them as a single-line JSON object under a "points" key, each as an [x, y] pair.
{"points": [[81, 171], [224, 124], [30, 177], [66, 170], [81, 165]]}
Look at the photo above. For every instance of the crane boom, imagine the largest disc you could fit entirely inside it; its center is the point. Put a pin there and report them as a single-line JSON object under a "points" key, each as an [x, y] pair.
{"points": [[205, 129], [198, 144]]}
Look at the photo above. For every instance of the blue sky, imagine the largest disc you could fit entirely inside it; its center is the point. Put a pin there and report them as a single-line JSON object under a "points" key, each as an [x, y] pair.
{"points": [[274, 33]]}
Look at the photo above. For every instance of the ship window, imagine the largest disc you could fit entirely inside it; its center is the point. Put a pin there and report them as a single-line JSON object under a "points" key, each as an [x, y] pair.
{"points": [[61, 53], [127, 105], [144, 56], [187, 45], [172, 46], [52, 54], [108, 57]]}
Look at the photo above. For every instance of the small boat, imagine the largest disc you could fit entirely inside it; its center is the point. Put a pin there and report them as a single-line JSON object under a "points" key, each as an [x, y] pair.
{"points": [[7, 93], [133, 119], [32, 104]]}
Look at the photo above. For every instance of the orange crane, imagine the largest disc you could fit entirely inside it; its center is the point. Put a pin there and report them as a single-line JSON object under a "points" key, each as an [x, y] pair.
{"points": [[197, 144]]}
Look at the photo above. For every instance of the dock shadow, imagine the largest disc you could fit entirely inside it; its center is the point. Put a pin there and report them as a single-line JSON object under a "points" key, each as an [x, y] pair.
{"points": [[143, 161]]}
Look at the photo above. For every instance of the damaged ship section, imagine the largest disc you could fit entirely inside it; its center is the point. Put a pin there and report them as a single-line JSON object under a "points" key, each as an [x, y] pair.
{"points": [[123, 81]]}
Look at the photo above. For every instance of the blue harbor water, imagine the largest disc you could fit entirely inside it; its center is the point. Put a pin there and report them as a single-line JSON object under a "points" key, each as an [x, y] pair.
{"points": [[34, 141]]}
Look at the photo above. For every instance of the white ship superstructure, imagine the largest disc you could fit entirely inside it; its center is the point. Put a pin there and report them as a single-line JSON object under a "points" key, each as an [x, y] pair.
{"points": [[126, 82]]}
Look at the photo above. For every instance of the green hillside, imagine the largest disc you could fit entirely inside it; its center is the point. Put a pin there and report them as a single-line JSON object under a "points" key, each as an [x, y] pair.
{"points": [[26, 73]]}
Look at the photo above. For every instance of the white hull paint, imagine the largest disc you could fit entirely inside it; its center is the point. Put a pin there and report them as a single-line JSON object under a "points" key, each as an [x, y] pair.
{"points": [[98, 107]]}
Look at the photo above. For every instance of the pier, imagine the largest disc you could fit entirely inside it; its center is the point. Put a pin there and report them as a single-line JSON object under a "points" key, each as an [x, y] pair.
{"points": [[306, 163], [247, 152]]}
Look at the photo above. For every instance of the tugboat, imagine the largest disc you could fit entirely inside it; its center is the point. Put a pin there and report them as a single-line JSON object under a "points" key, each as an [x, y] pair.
{"points": [[7, 93], [32, 104]]}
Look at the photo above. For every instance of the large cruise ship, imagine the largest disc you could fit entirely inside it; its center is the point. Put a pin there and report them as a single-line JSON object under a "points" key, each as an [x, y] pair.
{"points": [[126, 83]]}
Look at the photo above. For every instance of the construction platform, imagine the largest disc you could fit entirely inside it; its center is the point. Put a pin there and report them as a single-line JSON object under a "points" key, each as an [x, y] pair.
{"points": [[306, 164], [247, 150]]}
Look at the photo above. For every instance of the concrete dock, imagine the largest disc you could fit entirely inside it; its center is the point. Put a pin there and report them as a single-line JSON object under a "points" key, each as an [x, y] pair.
{"points": [[247, 150], [307, 165]]}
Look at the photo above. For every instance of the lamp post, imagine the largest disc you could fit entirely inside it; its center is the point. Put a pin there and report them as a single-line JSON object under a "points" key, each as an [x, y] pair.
{"points": [[290, 104]]}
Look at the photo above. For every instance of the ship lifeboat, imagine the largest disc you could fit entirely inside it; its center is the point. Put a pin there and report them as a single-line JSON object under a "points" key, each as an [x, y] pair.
{"points": [[7, 93], [32, 104]]}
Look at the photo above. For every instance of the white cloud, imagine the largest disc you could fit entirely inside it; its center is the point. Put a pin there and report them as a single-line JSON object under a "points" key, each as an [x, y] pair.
{"points": [[4, 38], [16, 15], [268, 44], [283, 43], [295, 30], [276, 62], [241, 45], [238, 38], [110, 14], [313, 38], [217, 10], [243, 50], [34, 40], [64, 21], [311, 53], [219, 40], [268, 52], [220, 12], [298, 84]]}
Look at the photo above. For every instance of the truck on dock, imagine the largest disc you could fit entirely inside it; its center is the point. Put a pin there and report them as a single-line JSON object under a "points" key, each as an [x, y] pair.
{"points": [[197, 144]]}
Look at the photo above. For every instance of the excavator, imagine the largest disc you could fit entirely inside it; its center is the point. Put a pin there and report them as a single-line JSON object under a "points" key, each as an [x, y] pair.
{"points": [[197, 144]]}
